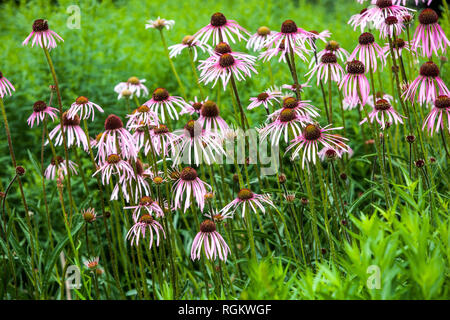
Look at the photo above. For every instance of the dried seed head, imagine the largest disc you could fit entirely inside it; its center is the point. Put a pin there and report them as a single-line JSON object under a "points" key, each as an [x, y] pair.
{"points": [[197, 106], [218, 19], [410, 138], [384, 3], [366, 38], [134, 80], [287, 115], [146, 218], [304, 201], [391, 20], [210, 109], [290, 102], [343, 176], [419, 163], [160, 94], [262, 96], [113, 159], [56, 160], [207, 226], [432, 160], [187, 40], [226, 60], [113, 122], [355, 67], [263, 31], [344, 222], [330, 154], [312, 132], [107, 214], [75, 121], [382, 105], [332, 45], [188, 174], [428, 16], [329, 58], [20, 171], [399, 43], [429, 69], [139, 167], [81, 100], [290, 197], [39, 106], [222, 47], [236, 178], [289, 26], [40, 25], [245, 194], [282, 178], [442, 102]]}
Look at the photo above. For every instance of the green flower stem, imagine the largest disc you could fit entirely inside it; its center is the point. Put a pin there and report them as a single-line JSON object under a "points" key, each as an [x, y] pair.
{"points": [[172, 66]]}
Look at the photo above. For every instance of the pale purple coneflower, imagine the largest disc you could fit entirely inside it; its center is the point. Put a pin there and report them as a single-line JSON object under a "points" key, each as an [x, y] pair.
{"points": [[148, 206], [358, 20], [193, 107], [163, 140], [58, 167], [384, 113], [290, 36], [379, 95], [114, 165], [307, 144], [142, 116], [328, 66], [5, 86], [292, 88], [257, 41], [302, 108], [190, 43], [89, 215], [391, 26], [162, 102], [115, 133], [217, 216], [248, 199], [429, 35], [221, 29], [187, 185], [84, 107], [329, 153], [281, 50], [368, 51], [145, 224], [210, 117], [211, 241], [194, 139], [92, 263], [159, 24], [403, 2], [436, 117], [332, 46], [40, 111], [138, 182], [398, 46], [266, 98], [224, 63], [428, 80], [287, 122], [133, 85], [383, 9], [75, 135], [315, 35], [42, 35], [354, 84]]}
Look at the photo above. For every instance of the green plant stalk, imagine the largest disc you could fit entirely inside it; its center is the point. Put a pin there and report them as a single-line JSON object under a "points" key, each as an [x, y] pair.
{"points": [[194, 71], [172, 66]]}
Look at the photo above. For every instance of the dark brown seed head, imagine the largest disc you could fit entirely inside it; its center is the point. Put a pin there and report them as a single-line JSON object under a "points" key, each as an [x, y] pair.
{"points": [[332, 45], [304, 201], [113, 159], [366, 38], [56, 160], [429, 69], [282, 178], [442, 102], [355, 67], [330, 154], [428, 16], [399, 43], [226, 60], [312, 132], [145, 201], [419, 163], [222, 48], [81, 100], [382, 105], [245, 194], [363, 11], [263, 31], [188, 174], [289, 26], [161, 129], [410, 138], [329, 58], [343, 176], [75, 121], [210, 109], [290, 102], [218, 19], [146, 218], [113, 122], [160, 94], [262, 96], [39, 106], [139, 167], [236, 178], [407, 18], [40, 25], [134, 80], [287, 115], [197, 106], [207, 226], [384, 3], [391, 20], [20, 171]]}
